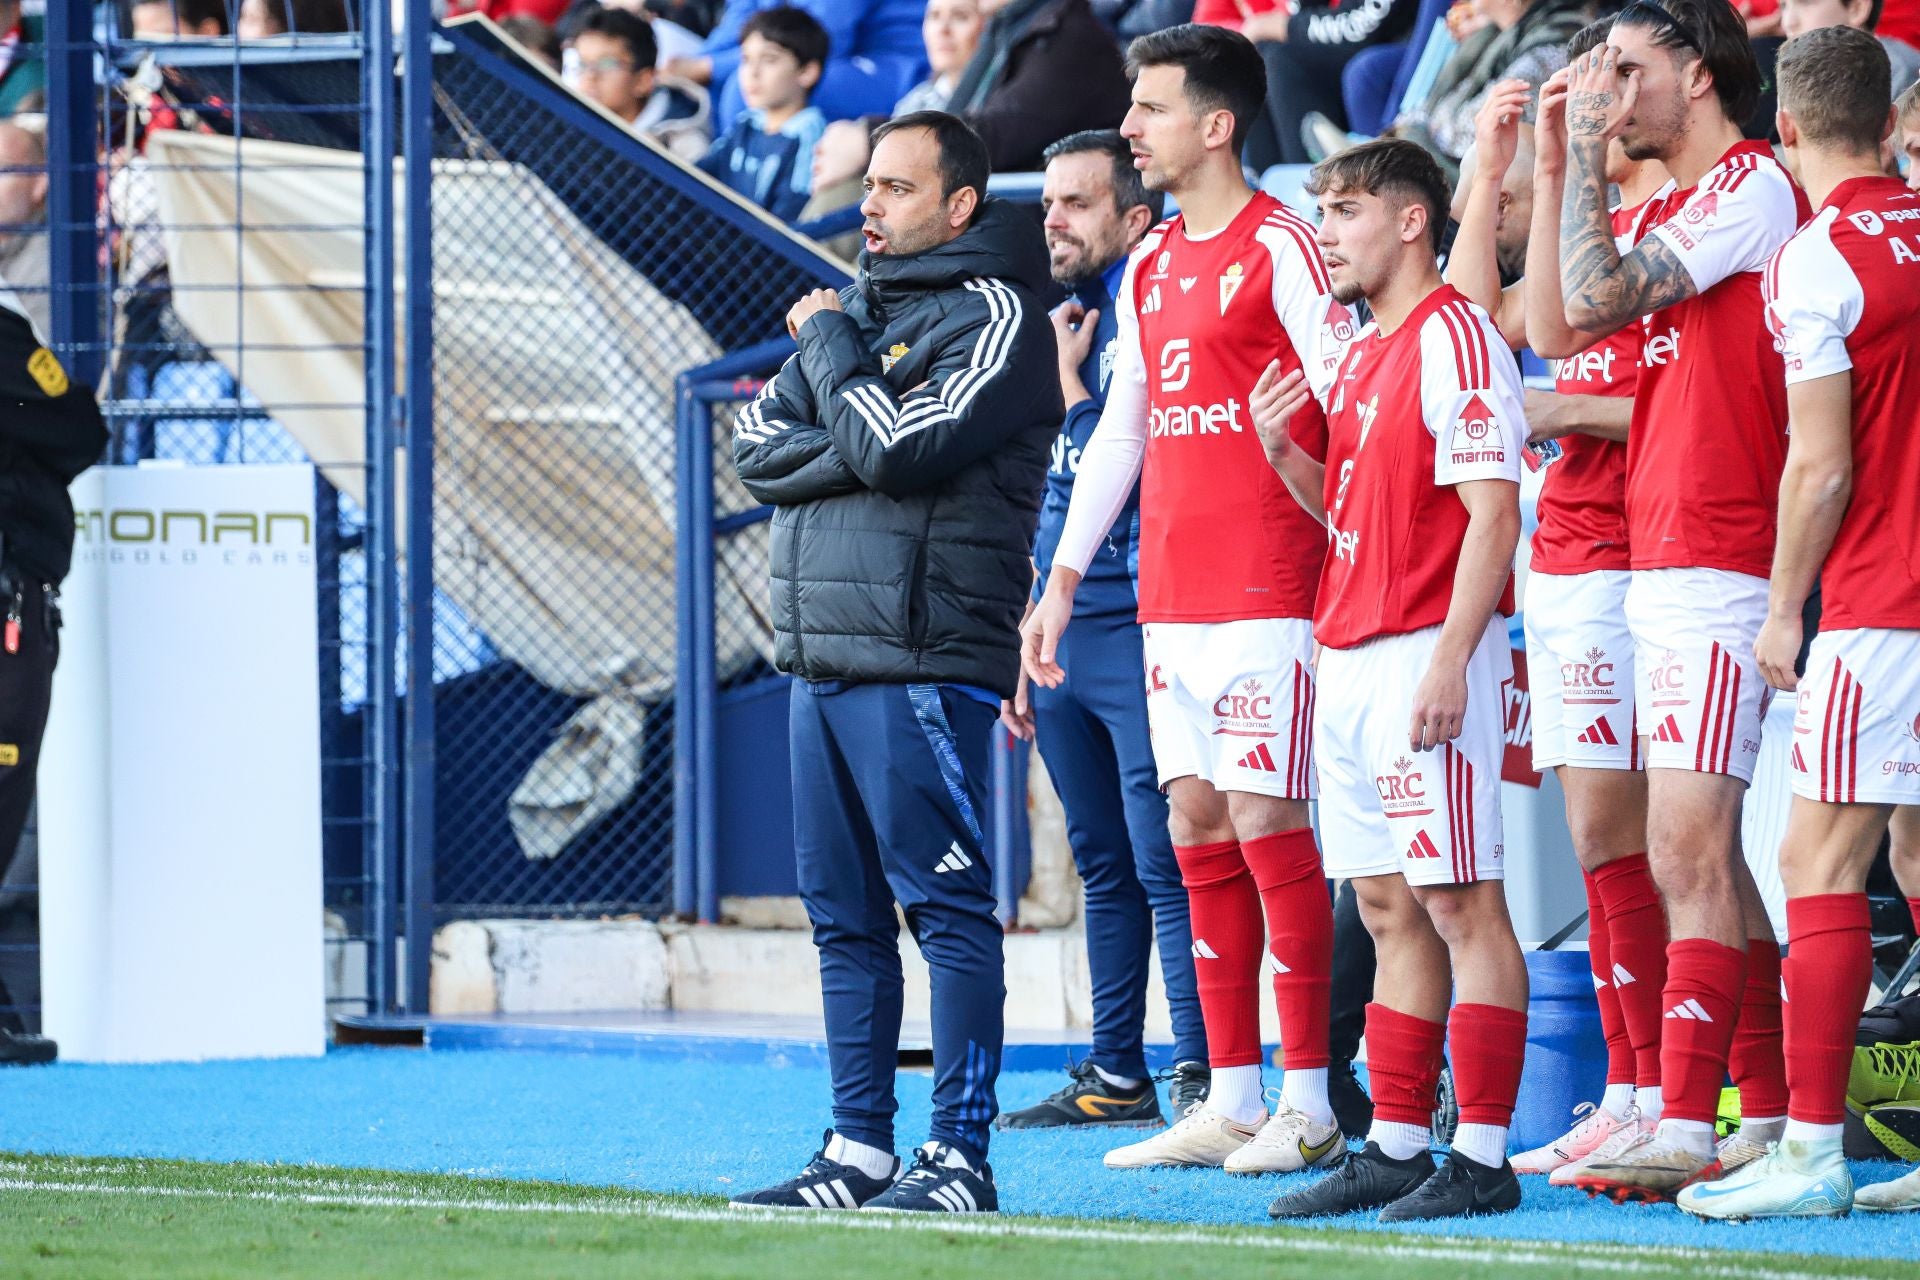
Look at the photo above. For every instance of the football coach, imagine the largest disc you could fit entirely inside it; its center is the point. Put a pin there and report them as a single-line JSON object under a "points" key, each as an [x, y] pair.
{"points": [[904, 449]]}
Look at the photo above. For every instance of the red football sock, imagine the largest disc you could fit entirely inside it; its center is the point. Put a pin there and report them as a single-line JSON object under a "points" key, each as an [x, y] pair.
{"points": [[1704, 982], [1488, 1044], [1613, 1022], [1637, 942], [1757, 1060], [1913, 908], [1829, 968], [1293, 893], [1403, 1065], [1227, 938]]}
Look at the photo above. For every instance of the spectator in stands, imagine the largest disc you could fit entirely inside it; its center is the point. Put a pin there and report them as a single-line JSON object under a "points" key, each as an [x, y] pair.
{"points": [[1797, 17], [1906, 135], [25, 259], [876, 56], [1305, 51], [264, 19], [951, 31], [536, 37], [611, 60], [1523, 40], [1131, 19], [767, 156], [23, 65], [179, 19], [1044, 69]]}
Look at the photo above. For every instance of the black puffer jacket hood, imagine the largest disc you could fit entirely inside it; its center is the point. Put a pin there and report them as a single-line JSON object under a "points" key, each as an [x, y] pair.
{"points": [[905, 447]]}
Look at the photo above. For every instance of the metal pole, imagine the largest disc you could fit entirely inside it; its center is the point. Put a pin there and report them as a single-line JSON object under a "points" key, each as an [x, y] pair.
{"points": [[699, 551], [689, 427], [417, 109], [383, 791], [72, 231]]}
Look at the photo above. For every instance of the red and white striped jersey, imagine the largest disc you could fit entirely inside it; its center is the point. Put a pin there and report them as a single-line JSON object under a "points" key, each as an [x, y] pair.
{"points": [[1844, 294], [1199, 320], [1709, 434], [1434, 404], [1582, 510]]}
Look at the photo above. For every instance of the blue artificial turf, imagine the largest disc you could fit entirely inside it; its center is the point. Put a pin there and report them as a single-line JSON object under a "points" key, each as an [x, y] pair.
{"points": [[668, 1125]]}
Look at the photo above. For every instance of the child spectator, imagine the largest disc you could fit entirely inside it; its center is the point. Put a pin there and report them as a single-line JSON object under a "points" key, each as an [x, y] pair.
{"points": [[767, 156], [610, 60]]}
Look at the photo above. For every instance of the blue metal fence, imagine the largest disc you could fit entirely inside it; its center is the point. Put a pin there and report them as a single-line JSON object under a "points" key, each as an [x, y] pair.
{"points": [[558, 326]]}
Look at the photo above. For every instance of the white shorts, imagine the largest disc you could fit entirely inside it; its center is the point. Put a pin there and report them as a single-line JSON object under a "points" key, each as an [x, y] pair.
{"points": [[1856, 737], [1580, 671], [1432, 816], [1700, 692], [1232, 703]]}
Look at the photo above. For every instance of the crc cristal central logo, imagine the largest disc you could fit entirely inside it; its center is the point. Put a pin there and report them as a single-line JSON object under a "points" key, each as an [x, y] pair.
{"points": [[1248, 704], [1176, 365], [1589, 681], [1668, 681], [1403, 793]]}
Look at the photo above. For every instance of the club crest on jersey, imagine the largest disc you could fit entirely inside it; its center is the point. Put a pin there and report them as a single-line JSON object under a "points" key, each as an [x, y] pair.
{"points": [[1476, 436], [1691, 227], [1230, 281], [893, 356]]}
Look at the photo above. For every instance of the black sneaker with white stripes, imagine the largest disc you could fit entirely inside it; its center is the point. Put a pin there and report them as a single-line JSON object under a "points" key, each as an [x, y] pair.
{"points": [[941, 1181], [823, 1184]]}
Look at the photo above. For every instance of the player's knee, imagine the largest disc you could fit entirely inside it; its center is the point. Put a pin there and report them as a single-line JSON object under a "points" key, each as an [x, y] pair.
{"points": [[1387, 909], [1688, 871], [1254, 815], [1196, 815]]}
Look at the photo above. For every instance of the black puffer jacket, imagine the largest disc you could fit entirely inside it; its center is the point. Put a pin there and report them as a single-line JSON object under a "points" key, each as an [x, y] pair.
{"points": [[905, 447]]}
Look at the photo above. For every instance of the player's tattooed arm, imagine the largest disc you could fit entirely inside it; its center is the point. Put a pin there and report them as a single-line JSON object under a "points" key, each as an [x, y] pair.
{"points": [[1606, 290]]}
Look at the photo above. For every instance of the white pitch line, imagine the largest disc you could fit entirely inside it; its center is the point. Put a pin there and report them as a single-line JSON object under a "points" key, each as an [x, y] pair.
{"points": [[1650, 1261]]}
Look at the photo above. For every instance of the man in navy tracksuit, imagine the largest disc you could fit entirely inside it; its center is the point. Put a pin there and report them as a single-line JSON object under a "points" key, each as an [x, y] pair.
{"points": [[904, 449], [1092, 730]]}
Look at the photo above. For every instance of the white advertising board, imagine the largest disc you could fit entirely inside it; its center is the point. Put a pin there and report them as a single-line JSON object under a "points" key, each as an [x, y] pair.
{"points": [[180, 782]]}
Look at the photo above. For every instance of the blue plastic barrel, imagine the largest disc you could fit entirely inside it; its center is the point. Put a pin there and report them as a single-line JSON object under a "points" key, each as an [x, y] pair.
{"points": [[1566, 1062]]}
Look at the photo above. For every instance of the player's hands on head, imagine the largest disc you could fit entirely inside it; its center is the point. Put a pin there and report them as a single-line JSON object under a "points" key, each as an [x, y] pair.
{"points": [[1073, 327], [1496, 128], [1046, 623], [1550, 123], [809, 306], [1274, 401], [1599, 98], [1777, 648], [1439, 708]]}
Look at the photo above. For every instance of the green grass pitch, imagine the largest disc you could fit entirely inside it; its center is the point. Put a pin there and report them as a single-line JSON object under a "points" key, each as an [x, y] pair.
{"points": [[62, 1217]]}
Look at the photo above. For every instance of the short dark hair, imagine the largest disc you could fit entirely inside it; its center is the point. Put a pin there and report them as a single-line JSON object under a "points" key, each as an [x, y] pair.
{"points": [[1837, 82], [1712, 31], [1128, 189], [1588, 38], [1224, 70], [194, 12], [628, 28], [795, 30], [1394, 169], [963, 156]]}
